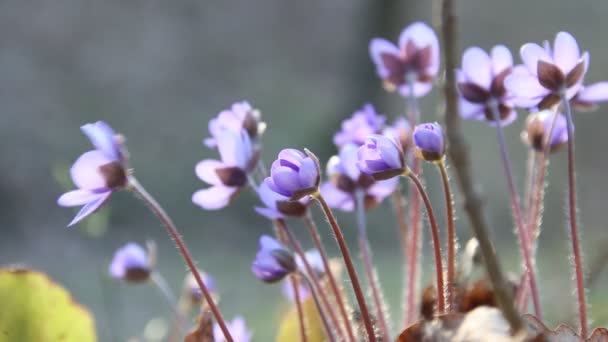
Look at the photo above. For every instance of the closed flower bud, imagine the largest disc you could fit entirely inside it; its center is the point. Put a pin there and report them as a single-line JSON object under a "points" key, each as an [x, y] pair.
{"points": [[273, 261], [131, 264], [538, 126], [381, 157], [429, 142]]}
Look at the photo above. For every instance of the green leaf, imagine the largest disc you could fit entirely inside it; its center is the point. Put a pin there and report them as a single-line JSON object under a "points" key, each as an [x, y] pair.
{"points": [[35, 308]]}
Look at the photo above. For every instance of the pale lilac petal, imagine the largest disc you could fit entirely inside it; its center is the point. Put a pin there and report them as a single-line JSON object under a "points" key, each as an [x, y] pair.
{"points": [[420, 89], [90, 208], [422, 35], [269, 213], [85, 171], [214, 198], [469, 110], [267, 194], [286, 178], [78, 197], [378, 47], [382, 189], [348, 161], [596, 92], [524, 86], [232, 148], [389, 152], [238, 331], [334, 166], [477, 66], [102, 137], [531, 53], [565, 51], [129, 256], [506, 121], [501, 59], [205, 170], [308, 174], [337, 198], [292, 156]]}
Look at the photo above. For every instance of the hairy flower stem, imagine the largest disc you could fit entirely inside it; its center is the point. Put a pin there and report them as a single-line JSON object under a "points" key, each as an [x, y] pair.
{"points": [[315, 297], [368, 265], [313, 282], [572, 211], [350, 267], [181, 246], [451, 236], [340, 302], [293, 279], [435, 237], [515, 206], [398, 201], [414, 251]]}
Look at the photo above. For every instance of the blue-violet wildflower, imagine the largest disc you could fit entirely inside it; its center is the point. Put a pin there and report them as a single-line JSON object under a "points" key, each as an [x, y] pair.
{"points": [[131, 264], [429, 142], [362, 123], [240, 116], [272, 261], [381, 157], [538, 126]]}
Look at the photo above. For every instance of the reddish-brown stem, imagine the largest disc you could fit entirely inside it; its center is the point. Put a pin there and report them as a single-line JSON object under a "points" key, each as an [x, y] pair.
{"points": [[436, 241], [522, 233], [316, 240], [451, 237], [283, 238], [350, 267], [368, 265], [181, 246], [413, 249], [572, 208]]}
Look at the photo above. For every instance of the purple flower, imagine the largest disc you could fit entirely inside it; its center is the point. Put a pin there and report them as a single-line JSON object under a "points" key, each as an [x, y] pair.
{"points": [[345, 180], [538, 126], [363, 122], [547, 73], [240, 116], [481, 84], [293, 176], [415, 60], [273, 261], [313, 257], [589, 96], [96, 173], [429, 142], [131, 264], [228, 176], [380, 157], [238, 330], [192, 290], [400, 131]]}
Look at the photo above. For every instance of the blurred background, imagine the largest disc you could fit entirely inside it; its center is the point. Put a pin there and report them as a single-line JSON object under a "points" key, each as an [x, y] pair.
{"points": [[157, 71]]}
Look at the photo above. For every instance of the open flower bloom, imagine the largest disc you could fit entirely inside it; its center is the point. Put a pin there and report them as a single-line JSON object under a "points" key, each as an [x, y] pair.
{"points": [[538, 126], [380, 157], [238, 330], [480, 83], [588, 96], [547, 73], [400, 131], [429, 142], [345, 180], [293, 176], [273, 261], [96, 173], [240, 116], [131, 264], [228, 176], [363, 122], [415, 61]]}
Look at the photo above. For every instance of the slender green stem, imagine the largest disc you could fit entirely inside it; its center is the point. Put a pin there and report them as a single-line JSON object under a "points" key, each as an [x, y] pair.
{"points": [[516, 207], [333, 284], [368, 265], [284, 237], [315, 297], [436, 241], [572, 210], [451, 237], [181, 246], [313, 283], [350, 267]]}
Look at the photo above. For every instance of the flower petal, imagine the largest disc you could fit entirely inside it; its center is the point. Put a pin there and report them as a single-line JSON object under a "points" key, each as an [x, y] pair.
{"points": [[205, 170], [420, 89], [422, 35], [286, 179], [348, 160], [269, 213], [525, 87], [501, 59], [337, 198], [85, 171], [90, 208], [267, 194], [214, 198], [77, 197], [308, 175], [382, 189], [471, 111], [531, 53], [477, 66], [102, 137], [596, 92], [378, 47], [565, 51], [231, 148]]}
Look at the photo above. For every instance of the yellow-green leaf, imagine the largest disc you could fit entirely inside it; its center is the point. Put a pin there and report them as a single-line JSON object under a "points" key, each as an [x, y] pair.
{"points": [[33, 308]]}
